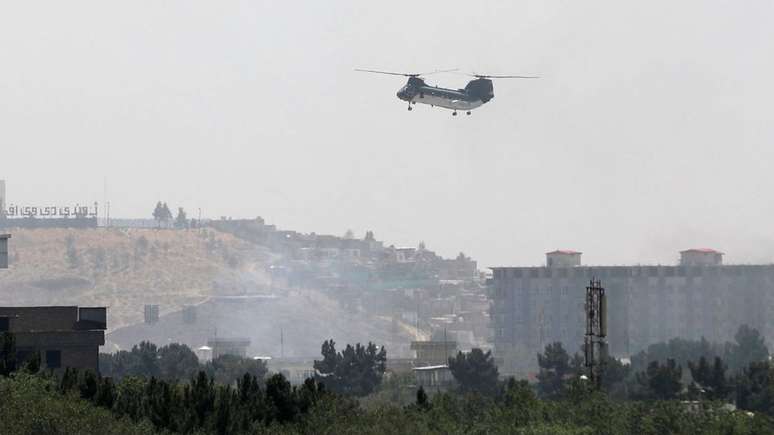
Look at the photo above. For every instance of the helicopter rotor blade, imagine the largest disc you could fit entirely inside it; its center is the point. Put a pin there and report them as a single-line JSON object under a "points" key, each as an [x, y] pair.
{"points": [[438, 71], [385, 72], [508, 77], [405, 74], [488, 76]]}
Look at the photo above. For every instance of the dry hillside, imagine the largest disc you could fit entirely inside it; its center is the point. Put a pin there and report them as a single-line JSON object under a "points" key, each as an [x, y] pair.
{"points": [[127, 268]]}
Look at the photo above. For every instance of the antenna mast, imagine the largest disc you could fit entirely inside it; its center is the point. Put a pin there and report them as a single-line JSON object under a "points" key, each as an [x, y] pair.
{"points": [[595, 343]]}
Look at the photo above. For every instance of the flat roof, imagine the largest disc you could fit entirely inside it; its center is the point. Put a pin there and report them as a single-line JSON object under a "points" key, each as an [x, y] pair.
{"points": [[703, 251], [226, 340], [564, 251], [426, 368]]}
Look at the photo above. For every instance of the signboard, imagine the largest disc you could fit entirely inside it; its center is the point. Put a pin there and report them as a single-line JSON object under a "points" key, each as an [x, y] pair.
{"points": [[27, 211]]}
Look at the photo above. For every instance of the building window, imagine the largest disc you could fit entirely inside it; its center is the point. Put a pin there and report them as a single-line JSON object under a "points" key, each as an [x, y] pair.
{"points": [[53, 359], [4, 324]]}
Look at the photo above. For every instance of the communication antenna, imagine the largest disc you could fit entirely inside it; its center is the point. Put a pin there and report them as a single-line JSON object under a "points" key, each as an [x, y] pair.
{"points": [[595, 343]]}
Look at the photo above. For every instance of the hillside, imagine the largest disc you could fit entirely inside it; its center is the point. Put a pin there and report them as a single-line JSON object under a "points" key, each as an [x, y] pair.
{"points": [[127, 268]]}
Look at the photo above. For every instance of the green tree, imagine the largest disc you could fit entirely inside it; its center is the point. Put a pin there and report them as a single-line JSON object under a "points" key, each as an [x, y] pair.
{"points": [[166, 214], [755, 388], [662, 381], [228, 369], [555, 370], [279, 395], [356, 371], [181, 221], [749, 347], [177, 361], [158, 213], [475, 371], [710, 379]]}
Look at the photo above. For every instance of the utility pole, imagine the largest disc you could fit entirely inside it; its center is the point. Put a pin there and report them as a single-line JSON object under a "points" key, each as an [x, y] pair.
{"points": [[595, 342], [445, 346], [282, 343]]}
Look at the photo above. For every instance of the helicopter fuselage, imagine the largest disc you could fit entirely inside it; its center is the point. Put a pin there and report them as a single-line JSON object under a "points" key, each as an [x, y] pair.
{"points": [[476, 93]]}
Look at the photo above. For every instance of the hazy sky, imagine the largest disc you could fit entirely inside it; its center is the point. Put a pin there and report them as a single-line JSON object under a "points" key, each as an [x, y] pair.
{"points": [[650, 130]]}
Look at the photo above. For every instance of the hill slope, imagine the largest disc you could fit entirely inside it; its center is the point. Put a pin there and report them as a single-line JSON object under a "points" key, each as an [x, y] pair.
{"points": [[127, 268]]}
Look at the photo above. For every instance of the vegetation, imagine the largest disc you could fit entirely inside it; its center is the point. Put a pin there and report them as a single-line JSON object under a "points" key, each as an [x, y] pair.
{"points": [[356, 371], [748, 346], [150, 396], [32, 405], [162, 214], [475, 372], [175, 362]]}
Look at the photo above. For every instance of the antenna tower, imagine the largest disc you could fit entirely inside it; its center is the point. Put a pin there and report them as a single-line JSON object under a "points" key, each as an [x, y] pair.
{"points": [[595, 343]]}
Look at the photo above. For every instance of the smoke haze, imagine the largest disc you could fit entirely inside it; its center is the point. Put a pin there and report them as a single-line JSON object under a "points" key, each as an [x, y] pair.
{"points": [[649, 132]]}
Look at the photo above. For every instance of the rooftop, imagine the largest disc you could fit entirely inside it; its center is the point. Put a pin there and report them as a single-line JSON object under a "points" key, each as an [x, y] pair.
{"points": [[703, 251], [564, 251], [438, 367]]}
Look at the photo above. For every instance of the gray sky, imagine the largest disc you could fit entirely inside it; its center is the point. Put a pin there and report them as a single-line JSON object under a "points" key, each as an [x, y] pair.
{"points": [[650, 130]]}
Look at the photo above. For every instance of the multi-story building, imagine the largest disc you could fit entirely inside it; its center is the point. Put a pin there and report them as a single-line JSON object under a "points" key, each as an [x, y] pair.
{"points": [[700, 297], [62, 336]]}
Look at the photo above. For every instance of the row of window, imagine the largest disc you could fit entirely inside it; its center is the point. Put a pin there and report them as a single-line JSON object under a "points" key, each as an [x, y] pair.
{"points": [[53, 358]]}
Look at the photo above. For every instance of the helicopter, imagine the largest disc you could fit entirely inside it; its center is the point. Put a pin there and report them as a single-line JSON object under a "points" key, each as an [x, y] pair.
{"points": [[477, 92]]}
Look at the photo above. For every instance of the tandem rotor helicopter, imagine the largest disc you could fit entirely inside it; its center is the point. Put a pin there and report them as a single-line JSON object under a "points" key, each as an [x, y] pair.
{"points": [[477, 92]]}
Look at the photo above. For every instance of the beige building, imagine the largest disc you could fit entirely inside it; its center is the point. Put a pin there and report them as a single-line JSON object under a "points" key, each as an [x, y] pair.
{"points": [[534, 306]]}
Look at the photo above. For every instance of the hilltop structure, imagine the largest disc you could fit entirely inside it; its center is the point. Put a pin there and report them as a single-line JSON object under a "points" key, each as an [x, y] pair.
{"points": [[699, 297]]}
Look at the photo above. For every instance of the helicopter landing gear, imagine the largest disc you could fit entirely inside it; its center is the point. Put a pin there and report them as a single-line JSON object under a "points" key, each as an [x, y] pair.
{"points": [[468, 112], [454, 113]]}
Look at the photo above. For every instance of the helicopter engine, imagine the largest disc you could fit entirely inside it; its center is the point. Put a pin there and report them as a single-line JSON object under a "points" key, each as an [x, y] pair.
{"points": [[407, 92], [481, 88]]}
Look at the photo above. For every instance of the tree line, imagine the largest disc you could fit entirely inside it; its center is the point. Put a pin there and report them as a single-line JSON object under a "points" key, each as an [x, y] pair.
{"points": [[163, 217], [165, 389]]}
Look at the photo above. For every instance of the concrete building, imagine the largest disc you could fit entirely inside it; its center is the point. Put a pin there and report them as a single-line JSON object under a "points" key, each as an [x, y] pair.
{"points": [[228, 346], [563, 258], [433, 352], [534, 306], [4, 250], [437, 377], [62, 336], [701, 257]]}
